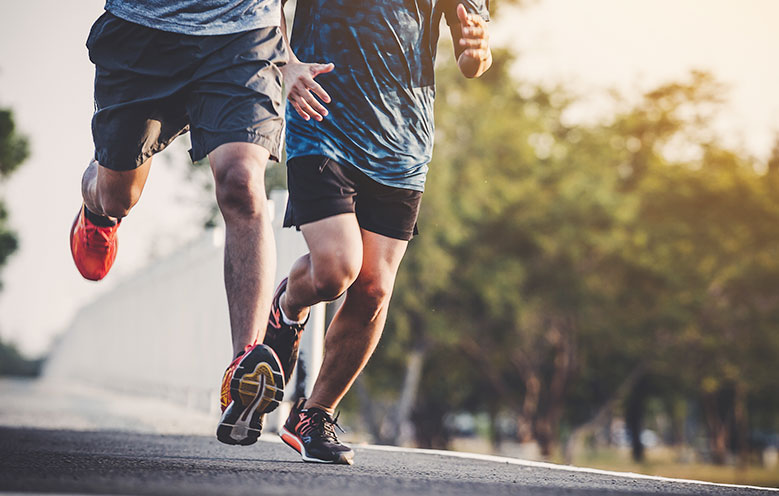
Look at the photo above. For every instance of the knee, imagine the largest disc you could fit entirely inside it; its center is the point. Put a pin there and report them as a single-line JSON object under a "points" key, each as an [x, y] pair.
{"points": [[335, 277], [373, 294], [240, 188]]}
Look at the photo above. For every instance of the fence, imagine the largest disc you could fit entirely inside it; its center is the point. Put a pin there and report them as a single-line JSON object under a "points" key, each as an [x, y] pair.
{"points": [[165, 331]]}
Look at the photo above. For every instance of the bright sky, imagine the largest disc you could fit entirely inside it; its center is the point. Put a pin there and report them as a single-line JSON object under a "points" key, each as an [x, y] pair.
{"points": [[589, 46]]}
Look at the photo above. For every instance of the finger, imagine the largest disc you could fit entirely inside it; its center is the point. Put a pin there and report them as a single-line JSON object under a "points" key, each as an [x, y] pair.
{"points": [[317, 69], [318, 91], [300, 112], [315, 104], [462, 15], [473, 43], [477, 20], [473, 32], [305, 107], [475, 53]]}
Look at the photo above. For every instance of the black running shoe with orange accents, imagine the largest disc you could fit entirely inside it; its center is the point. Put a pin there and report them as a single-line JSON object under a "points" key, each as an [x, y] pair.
{"points": [[282, 337], [252, 386], [311, 432]]}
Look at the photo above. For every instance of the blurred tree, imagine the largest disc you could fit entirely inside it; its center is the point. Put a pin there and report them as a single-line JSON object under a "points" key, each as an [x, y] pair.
{"points": [[12, 363], [564, 270], [14, 149]]}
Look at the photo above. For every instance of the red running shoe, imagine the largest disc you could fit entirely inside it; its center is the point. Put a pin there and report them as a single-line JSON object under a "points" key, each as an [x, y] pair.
{"points": [[93, 247], [252, 386]]}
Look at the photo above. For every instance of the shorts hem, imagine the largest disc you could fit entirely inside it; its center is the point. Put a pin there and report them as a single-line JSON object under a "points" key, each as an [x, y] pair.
{"points": [[102, 155], [273, 145], [322, 214], [389, 233]]}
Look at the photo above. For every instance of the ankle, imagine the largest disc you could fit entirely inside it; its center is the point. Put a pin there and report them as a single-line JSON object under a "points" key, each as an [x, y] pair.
{"points": [[315, 404], [99, 219], [289, 315]]}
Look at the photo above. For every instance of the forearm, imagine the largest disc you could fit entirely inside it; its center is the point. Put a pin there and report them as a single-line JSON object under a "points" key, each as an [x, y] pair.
{"points": [[283, 24]]}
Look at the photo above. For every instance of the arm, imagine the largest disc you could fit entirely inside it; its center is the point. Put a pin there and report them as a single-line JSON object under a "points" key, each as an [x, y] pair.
{"points": [[299, 81], [471, 43]]}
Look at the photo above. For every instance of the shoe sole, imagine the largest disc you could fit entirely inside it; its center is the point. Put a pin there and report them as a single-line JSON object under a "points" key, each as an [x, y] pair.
{"points": [[257, 388], [296, 444]]}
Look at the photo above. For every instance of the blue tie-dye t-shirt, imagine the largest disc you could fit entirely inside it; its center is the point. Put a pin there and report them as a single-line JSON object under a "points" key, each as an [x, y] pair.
{"points": [[382, 88]]}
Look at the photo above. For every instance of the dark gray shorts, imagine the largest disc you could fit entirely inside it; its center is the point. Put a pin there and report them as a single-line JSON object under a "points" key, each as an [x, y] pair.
{"points": [[152, 85], [320, 188]]}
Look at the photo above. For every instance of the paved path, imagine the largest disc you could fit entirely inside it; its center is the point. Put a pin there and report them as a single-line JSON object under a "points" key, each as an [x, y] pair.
{"points": [[111, 462]]}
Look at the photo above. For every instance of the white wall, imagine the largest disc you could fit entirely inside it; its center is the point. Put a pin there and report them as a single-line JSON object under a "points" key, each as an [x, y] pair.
{"points": [[165, 332]]}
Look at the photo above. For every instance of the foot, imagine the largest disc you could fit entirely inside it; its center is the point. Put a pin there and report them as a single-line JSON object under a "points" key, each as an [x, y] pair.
{"points": [[93, 247], [283, 338], [311, 433], [252, 386]]}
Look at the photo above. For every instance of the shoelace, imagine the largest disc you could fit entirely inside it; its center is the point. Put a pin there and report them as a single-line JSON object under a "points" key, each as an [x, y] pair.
{"points": [[96, 238], [319, 422]]}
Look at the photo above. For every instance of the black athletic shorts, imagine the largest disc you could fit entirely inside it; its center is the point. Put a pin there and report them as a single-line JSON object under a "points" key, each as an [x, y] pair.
{"points": [[320, 188], [152, 85]]}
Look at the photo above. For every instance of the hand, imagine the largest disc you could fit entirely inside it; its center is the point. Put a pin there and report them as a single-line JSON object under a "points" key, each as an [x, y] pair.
{"points": [[299, 80], [474, 38]]}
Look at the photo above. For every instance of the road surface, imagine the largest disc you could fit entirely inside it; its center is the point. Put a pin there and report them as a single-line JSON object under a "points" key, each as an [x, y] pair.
{"points": [[118, 462]]}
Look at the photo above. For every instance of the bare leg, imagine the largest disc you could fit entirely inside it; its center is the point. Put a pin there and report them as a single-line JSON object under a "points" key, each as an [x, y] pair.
{"points": [[113, 193], [330, 267], [355, 330], [250, 252]]}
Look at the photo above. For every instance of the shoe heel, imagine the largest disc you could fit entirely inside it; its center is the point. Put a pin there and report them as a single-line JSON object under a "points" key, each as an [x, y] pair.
{"points": [[258, 382], [256, 388]]}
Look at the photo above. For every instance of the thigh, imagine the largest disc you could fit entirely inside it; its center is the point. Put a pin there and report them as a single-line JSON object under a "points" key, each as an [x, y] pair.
{"points": [[236, 93], [381, 259], [247, 156], [335, 244]]}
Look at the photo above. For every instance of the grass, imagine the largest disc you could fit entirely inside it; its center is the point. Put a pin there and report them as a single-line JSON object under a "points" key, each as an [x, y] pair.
{"points": [[665, 462]]}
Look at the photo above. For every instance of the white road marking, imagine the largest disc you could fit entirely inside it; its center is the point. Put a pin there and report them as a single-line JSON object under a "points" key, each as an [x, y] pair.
{"points": [[554, 466]]}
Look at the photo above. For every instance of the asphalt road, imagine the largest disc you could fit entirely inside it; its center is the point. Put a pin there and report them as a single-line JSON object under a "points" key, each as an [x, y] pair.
{"points": [[112, 462]]}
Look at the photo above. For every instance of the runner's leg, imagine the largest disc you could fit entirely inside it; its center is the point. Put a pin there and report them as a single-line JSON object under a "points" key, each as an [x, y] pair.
{"points": [[332, 265], [250, 252], [356, 328], [113, 193]]}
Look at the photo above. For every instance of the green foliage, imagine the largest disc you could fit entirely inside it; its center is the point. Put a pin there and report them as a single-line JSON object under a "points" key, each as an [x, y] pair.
{"points": [[8, 242], [555, 262], [14, 148], [12, 363]]}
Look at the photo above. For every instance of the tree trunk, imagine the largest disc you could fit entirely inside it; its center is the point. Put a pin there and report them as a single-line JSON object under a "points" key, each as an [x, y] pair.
{"points": [[529, 407], [719, 434], [429, 429], [496, 436], [741, 425], [561, 337], [603, 417], [634, 419], [397, 428], [368, 411]]}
